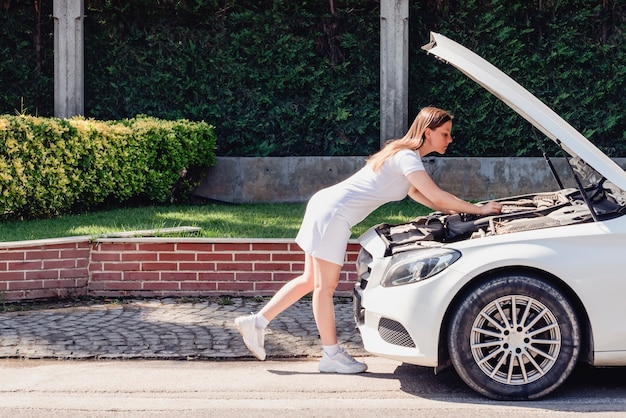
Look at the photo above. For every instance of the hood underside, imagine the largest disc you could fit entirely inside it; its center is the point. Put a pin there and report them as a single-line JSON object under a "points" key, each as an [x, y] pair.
{"points": [[525, 104]]}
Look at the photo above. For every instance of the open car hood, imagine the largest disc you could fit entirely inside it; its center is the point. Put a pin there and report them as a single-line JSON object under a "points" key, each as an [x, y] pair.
{"points": [[527, 105]]}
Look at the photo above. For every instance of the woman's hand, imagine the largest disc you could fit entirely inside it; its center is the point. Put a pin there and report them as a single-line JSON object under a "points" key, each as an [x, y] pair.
{"points": [[491, 208]]}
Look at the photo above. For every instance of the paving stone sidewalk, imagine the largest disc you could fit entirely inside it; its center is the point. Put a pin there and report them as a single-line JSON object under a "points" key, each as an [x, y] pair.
{"points": [[181, 329]]}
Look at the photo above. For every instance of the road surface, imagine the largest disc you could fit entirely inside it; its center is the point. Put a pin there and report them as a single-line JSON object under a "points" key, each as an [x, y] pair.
{"points": [[285, 388]]}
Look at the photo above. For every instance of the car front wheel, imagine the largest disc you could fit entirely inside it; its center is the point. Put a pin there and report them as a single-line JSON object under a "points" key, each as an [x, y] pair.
{"points": [[514, 337]]}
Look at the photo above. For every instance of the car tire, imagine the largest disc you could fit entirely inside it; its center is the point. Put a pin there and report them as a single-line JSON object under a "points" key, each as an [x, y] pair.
{"points": [[514, 354]]}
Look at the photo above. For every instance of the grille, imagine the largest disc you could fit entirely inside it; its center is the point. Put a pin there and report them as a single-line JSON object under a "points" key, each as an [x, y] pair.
{"points": [[394, 333]]}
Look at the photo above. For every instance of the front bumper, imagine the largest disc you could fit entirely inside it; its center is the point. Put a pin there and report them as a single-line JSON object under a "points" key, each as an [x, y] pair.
{"points": [[387, 336]]}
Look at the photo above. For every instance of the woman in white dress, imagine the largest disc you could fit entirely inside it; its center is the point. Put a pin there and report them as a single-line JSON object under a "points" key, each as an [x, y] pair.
{"points": [[389, 175]]}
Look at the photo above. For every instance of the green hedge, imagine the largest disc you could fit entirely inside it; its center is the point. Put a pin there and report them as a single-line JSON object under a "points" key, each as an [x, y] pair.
{"points": [[278, 77], [570, 53], [275, 77], [52, 166]]}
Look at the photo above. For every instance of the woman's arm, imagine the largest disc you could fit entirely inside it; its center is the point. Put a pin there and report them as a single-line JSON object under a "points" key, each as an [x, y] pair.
{"points": [[425, 191]]}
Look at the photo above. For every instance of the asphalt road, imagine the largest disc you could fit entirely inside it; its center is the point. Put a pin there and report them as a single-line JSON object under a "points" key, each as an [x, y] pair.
{"points": [[286, 388]]}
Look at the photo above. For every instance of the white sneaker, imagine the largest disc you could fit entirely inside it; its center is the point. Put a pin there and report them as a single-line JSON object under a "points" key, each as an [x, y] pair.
{"points": [[341, 362], [253, 337]]}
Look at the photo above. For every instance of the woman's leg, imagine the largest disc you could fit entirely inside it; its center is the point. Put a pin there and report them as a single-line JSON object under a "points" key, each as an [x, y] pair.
{"points": [[291, 292], [326, 276], [253, 327], [334, 358]]}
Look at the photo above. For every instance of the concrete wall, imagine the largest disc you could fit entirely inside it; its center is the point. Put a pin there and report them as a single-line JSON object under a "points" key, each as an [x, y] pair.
{"points": [[274, 179], [295, 179]]}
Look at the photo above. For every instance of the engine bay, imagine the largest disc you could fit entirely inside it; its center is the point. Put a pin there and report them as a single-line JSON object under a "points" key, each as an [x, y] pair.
{"points": [[521, 213]]}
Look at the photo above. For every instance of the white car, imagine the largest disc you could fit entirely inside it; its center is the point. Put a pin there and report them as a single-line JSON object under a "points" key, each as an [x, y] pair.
{"points": [[513, 301]]}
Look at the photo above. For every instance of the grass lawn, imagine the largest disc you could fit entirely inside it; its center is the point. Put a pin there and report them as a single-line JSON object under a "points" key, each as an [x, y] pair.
{"points": [[216, 220]]}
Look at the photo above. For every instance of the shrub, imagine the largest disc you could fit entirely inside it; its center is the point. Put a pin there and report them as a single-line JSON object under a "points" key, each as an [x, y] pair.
{"points": [[52, 166]]}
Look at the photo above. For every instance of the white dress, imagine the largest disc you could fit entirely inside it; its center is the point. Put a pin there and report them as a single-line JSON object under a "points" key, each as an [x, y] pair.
{"points": [[332, 211]]}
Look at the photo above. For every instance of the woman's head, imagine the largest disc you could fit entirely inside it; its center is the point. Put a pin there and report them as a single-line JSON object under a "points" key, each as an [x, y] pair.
{"points": [[430, 122], [429, 118]]}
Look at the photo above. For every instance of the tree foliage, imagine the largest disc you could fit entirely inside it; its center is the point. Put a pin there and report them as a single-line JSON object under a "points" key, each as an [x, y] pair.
{"points": [[279, 77]]}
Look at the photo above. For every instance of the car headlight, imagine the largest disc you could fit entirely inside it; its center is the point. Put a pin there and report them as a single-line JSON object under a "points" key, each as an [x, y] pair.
{"points": [[415, 266]]}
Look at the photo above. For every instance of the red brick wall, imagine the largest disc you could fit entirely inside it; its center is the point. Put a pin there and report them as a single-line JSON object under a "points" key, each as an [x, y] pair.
{"points": [[154, 267], [44, 269]]}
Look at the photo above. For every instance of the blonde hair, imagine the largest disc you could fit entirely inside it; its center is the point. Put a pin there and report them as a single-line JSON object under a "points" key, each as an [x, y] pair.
{"points": [[428, 117]]}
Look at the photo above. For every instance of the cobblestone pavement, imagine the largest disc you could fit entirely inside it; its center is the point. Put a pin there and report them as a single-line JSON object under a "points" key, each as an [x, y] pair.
{"points": [[182, 329]]}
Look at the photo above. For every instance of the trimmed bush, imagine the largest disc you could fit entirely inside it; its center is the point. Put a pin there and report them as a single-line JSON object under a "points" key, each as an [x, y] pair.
{"points": [[52, 166]]}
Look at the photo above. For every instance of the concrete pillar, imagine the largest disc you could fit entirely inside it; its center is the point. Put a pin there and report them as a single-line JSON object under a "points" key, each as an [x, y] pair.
{"points": [[68, 58], [394, 69]]}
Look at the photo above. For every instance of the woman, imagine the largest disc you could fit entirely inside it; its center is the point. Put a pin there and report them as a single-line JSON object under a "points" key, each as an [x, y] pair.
{"points": [[389, 175]]}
